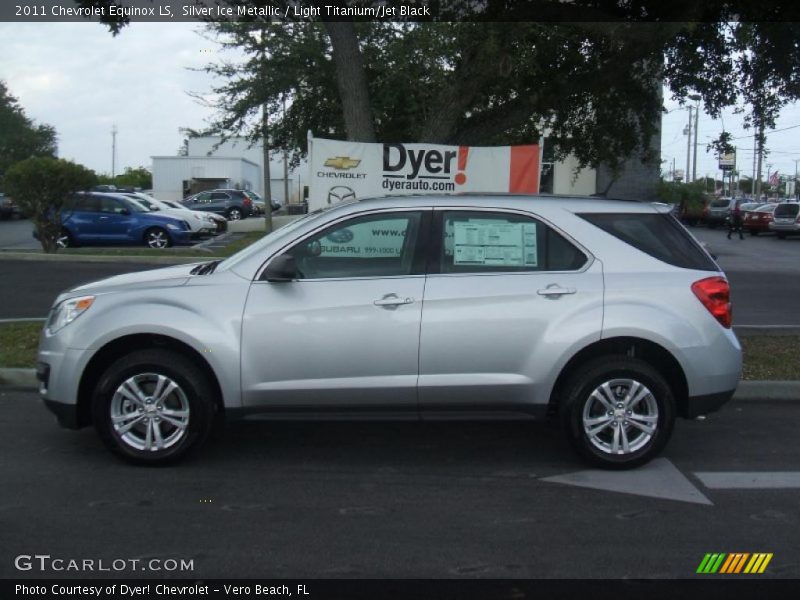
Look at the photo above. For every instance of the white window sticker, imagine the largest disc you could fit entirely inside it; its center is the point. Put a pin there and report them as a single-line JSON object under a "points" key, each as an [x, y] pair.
{"points": [[491, 242]]}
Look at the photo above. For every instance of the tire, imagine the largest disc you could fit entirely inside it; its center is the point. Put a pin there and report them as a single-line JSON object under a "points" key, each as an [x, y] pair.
{"points": [[182, 418], [65, 240], [234, 214], [156, 237], [712, 225], [753, 232], [780, 236], [585, 408]]}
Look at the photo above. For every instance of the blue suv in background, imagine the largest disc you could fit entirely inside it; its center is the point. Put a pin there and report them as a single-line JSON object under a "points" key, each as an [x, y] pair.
{"points": [[95, 219]]}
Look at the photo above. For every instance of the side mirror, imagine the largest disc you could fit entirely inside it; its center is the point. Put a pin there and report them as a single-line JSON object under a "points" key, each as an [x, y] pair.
{"points": [[281, 268], [125, 211]]}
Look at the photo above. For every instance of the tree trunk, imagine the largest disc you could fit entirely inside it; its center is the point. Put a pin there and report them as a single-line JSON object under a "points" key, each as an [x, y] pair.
{"points": [[351, 80]]}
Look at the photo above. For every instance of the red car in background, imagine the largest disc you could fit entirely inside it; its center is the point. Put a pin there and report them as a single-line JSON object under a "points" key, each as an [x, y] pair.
{"points": [[758, 220]]}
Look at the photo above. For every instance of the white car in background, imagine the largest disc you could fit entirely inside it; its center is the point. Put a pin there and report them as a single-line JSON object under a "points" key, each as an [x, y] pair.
{"points": [[201, 223]]}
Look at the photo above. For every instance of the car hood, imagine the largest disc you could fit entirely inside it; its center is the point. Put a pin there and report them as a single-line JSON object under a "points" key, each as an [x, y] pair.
{"points": [[155, 278]]}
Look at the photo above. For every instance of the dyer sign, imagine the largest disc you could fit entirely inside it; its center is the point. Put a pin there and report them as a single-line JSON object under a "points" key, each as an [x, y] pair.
{"points": [[342, 171]]}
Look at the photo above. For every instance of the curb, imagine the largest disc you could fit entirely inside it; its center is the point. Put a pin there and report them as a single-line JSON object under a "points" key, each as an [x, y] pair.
{"points": [[748, 391]]}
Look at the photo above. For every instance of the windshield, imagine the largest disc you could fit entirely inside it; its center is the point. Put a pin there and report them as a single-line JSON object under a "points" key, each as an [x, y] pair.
{"points": [[136, 206], [143, 204], [720, 203], [257, 247]]}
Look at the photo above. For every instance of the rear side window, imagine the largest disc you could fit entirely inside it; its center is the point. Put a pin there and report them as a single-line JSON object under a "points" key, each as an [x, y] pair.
{"points": [[484, 242], [660, 236], [783, 211]]}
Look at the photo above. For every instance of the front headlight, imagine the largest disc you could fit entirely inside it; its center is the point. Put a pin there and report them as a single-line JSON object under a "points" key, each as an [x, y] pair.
{"points": [[66, 312]]}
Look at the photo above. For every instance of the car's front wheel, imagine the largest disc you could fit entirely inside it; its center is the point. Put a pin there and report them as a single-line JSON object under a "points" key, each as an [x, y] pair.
{"points": [[619, 412], [155, 237], [153, 406]]}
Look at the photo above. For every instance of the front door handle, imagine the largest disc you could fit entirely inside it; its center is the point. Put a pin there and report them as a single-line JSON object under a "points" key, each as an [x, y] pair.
{"points": [[555, 290], [392, 301]]}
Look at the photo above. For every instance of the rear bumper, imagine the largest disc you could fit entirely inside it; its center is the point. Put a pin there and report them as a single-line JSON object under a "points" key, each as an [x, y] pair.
{"points": [[703, 405], [785, 227]]}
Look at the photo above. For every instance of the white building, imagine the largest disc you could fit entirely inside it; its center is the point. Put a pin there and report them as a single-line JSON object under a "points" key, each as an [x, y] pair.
{"points": [[233, 164]]}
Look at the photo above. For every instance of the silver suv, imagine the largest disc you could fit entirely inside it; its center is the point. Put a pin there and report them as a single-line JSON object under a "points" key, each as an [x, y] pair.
{"points": [[606, 313]]}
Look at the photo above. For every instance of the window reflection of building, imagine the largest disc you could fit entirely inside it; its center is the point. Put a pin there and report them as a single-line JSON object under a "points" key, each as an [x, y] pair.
{"points": [[548, 167]]}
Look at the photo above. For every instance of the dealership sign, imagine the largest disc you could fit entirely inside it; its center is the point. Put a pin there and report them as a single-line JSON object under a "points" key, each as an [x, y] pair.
{"points": [[727, 161], [342, 171]]}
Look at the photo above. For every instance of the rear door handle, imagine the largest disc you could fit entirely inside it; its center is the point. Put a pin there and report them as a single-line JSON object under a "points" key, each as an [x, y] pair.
{"points": [[555, 290], [392, 301]]}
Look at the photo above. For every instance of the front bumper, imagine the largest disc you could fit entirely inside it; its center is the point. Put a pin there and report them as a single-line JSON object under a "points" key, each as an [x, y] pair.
{"points": [[703, 405]]}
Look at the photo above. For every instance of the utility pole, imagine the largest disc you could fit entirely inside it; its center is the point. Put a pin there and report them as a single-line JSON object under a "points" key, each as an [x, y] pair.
{"points": [[696, 98], [755, 151], [688, 132], [757, 194], [265, 140], [796, 191], [113, 150], [285, 164]]}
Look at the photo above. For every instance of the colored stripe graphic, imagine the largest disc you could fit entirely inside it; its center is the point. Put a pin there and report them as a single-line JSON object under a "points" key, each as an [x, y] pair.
{"points": [[711, 563], [734, 563], [758, 563]]}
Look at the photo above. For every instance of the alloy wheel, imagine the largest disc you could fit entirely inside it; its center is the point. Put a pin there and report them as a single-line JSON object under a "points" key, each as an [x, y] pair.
{"points": [[620, 416], [149, 412]]}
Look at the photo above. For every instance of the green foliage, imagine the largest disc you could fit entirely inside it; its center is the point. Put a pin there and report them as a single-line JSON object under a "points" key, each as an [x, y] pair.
{"points": [[691, 197], [40, 185], [141, 178], [20, 138]]}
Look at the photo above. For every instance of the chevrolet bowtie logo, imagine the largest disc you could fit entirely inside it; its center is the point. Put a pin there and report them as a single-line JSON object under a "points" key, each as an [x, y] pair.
{"points": [[342, 162]]}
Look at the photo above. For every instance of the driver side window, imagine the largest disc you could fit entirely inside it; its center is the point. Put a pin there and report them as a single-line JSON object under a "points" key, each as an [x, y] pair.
{"points": [[379, 245]]}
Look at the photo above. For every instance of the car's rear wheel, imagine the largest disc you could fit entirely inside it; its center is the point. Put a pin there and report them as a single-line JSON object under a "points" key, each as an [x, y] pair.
{"points": [[781, 236], [153, 406], [753, 232], [234, 214], [619, 412], [155, 237], [64, 240]]}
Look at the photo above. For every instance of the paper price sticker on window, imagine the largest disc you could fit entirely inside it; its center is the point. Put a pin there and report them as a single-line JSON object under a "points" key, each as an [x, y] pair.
{"points": [[493, 243]]}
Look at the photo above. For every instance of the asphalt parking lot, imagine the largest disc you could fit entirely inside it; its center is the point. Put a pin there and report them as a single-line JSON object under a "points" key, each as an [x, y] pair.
{"points": [[430, 500]]}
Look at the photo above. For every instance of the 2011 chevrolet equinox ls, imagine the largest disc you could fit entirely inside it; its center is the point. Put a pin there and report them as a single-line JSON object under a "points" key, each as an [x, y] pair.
{"points": [[607, 313]]}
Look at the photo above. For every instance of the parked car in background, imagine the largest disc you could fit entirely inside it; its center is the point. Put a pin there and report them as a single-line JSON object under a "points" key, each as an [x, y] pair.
{"points": [[220, 222], [718, 211], [786, 219], [261, 204], [8, 208], [757, 220], [231, 204], [605, 313], [94, 219], [201, 224]]}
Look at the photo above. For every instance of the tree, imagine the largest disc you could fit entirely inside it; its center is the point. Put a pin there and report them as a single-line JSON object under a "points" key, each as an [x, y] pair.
{"points": [[140, 177], [40, 185], [586, 72], [20, 138]]}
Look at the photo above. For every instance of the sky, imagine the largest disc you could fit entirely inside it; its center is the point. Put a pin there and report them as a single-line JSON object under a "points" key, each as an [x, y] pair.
{"points": [[83, 81]]}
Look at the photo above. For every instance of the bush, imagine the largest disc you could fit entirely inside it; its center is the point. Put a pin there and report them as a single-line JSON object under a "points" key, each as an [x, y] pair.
{"points": [[39, 186], [691, 197]]}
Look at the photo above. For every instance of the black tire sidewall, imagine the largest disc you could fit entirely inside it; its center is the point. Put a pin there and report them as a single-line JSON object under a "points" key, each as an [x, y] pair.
{"points": [[185, 373], [590, 377]]}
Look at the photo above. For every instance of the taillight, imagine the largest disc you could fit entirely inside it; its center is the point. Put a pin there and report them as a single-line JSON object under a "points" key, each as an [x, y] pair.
{"points": [[715, 294], [247, 202]]}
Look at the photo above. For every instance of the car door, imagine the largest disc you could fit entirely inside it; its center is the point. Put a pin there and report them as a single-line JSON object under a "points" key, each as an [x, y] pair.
{"points": [[345, 334], [506, 296], [113, 221], [80, 215], [218, 202], [199, 201]]}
